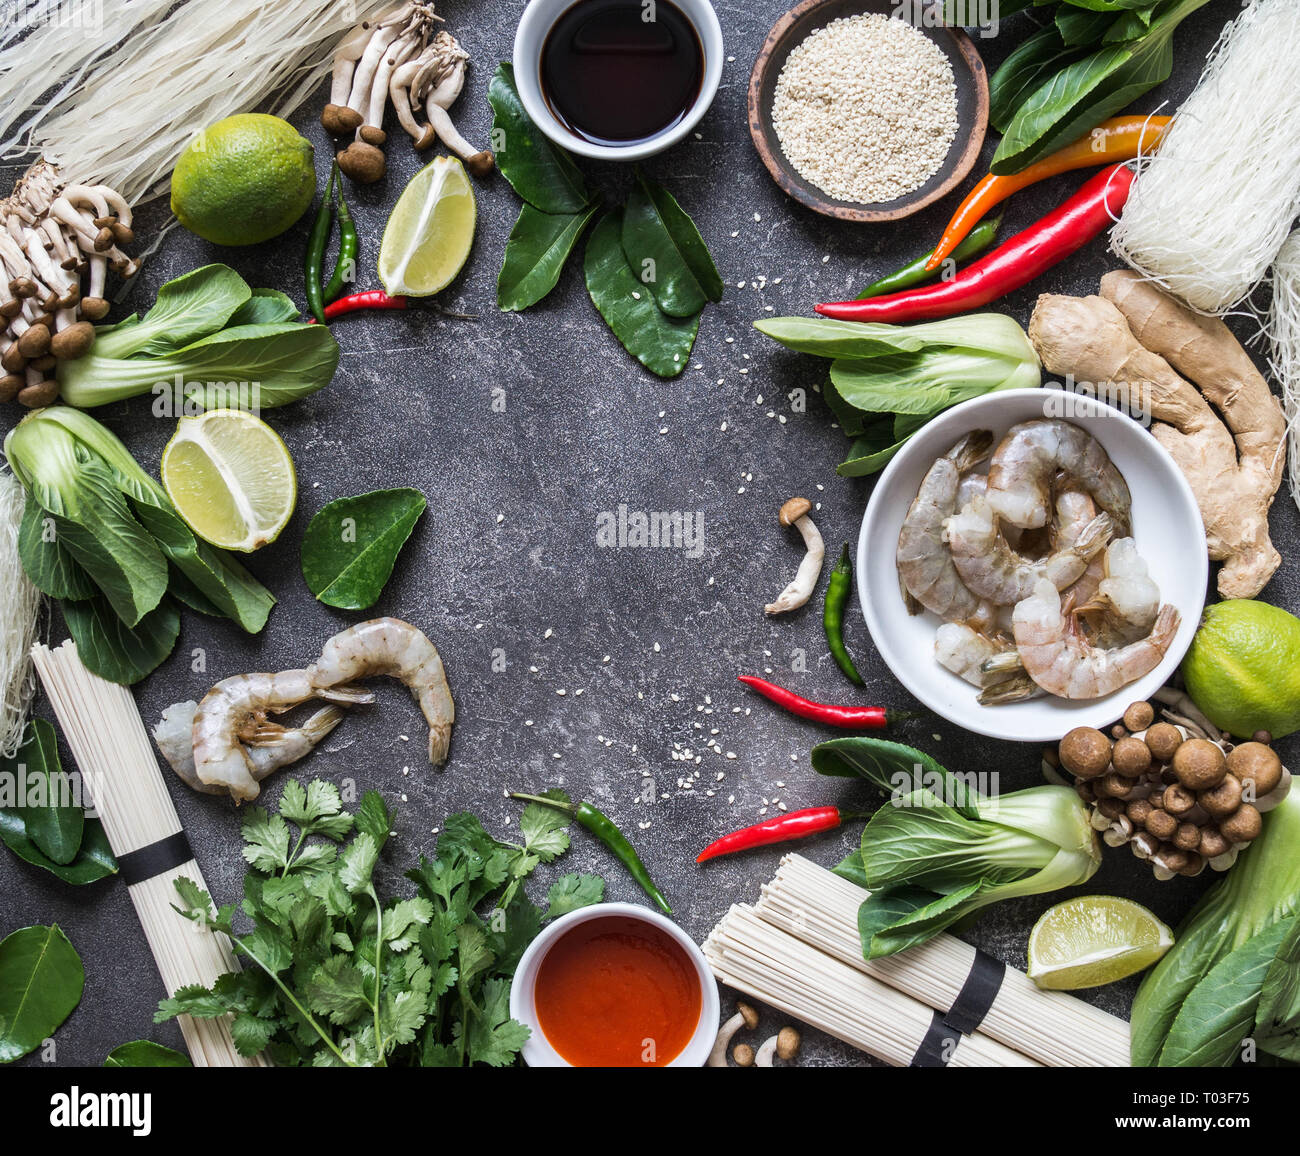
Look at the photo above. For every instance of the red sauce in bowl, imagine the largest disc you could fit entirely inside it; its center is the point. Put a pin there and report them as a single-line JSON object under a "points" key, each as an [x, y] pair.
{"points": [[617, 992]]}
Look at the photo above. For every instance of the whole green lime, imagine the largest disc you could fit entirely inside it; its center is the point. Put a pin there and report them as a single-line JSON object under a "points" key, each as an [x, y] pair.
{"points": [[1243, 669], [244, 180]]}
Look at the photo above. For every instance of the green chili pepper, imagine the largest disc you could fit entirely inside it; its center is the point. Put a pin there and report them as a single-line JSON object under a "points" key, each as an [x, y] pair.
{"points": [[838, 591], [346, 264], [980, 238], [604, 828], [320, 235]]}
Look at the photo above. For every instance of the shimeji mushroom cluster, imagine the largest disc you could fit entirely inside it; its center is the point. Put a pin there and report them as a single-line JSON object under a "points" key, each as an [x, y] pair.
{"points": [[1177, 791], [53, 233], [398, 57]]}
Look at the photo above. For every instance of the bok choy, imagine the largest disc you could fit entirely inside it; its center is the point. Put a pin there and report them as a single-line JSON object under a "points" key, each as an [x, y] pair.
{"points": [[213, 341], [1229, 988], [939, 851], [887, 381], [100, 535]]}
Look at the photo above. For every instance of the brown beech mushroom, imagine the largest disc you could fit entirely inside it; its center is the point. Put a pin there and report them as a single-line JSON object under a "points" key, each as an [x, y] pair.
{"points": [[1131, 758], [1085, 752], [1199, 765], [1243, 825], [1139, 716], [1163, 740], [1213, 844], [337, 118], [480, 162], [743, 1054], [795, 513], [1177, 799], [1161, 824], [1221, 801], [1257, 767], [745, 1017], [1187, 837]]}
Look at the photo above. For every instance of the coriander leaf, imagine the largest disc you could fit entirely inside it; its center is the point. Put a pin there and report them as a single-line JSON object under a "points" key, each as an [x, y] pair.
{"points": [[544, 175], [666, 253], [338, 990], [357, 863], [374, 818], [545, 829], [536, 253], [267, 837], [511, 931], [661, 343], [402, 921], [401, 1016], [329, 889], [317, 809], [570, 892], [474, 954], [268, 948], [192, 1000], [251, 1034], [492, 1037], [352, 544]]}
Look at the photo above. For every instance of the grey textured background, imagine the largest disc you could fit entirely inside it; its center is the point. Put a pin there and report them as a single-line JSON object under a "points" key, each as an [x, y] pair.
{"points": [[506, 551]]}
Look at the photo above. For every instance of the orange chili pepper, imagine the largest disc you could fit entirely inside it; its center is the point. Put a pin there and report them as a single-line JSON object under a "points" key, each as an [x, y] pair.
{"points": [[1119, 139]]}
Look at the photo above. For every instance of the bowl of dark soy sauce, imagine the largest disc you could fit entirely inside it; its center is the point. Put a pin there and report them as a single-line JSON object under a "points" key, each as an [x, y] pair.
{"points": [[617, 79]]}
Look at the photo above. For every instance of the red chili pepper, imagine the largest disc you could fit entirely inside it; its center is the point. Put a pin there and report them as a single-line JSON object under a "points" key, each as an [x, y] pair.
{"points": [[795, 825], [853, 718], [1024, 257], [368, 299]]}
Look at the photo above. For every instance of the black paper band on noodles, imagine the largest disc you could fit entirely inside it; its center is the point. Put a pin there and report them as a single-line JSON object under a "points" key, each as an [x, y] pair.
{"points": [[937, 1047], [977, 994], [148, 862]]}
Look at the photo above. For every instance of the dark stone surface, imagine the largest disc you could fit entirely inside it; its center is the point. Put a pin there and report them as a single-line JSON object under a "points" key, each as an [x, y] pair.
{"points": [[614, 657]]}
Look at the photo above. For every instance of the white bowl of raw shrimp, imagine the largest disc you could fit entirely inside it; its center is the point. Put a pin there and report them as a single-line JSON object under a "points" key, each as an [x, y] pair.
{"points": [[1166, 526]]}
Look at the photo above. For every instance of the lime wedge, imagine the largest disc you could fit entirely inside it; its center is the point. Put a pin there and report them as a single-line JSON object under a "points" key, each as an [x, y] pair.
{"points": [[430, 231], [231, 478], [1092, 940]]}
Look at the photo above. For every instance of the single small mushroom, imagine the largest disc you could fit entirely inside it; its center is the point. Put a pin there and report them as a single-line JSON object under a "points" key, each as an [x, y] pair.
{"points": [[743, 1054], [1257, 767], [1163, 739], [795, 513], [784, 1045], [1199, 764], [1085, 753], [745, 1017], [399, 91], [73, 340], [1243, 825], [1139, 716], [479, 162]]}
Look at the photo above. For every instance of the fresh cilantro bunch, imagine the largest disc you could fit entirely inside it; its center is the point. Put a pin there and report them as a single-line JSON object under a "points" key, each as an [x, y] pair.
{"points": [[338, 976]]}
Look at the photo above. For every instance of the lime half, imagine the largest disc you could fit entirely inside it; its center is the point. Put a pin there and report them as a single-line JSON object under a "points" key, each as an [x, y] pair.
{"points": [[1092, 940], [430, 231], [231, 478]]}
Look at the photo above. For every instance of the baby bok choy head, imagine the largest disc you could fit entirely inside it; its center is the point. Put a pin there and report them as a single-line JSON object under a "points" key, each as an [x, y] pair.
{"points": [[939, 851], [213, 340], [887, 381], [1229, 988]]}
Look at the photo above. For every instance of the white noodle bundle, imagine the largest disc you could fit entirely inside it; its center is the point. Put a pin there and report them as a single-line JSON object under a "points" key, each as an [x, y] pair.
{"points": [[118, 767], [22, 608], [129, 97], [1212, 206], [1284, 333]]}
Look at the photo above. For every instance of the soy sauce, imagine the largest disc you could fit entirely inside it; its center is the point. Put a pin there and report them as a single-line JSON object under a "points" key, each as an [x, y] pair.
{"points": [[621, 71]]}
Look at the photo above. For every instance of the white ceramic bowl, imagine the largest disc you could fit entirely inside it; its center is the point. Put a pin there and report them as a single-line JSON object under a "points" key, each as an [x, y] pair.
{"points": [[538, 19], [1166, 524], [538, 1052]]}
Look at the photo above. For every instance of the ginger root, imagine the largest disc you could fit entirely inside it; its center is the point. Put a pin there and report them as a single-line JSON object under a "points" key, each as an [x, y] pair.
{"points": [[1138, 343]]}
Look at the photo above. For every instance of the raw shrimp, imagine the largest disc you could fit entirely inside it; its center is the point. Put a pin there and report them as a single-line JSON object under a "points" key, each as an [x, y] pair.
{"points": [[270, 749], [925, 566], [1127, 600], [234, 712], [991, 569], [1074, 510], [1060, 660], [1028, 460], [395, 648], [966, 653]]}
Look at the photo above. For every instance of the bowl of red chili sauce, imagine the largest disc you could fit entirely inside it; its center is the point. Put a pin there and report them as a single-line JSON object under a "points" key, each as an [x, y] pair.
{"points": [[615, 985]]}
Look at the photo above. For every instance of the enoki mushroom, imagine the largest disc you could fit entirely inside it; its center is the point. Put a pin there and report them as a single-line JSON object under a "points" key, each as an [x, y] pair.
{"points": [[51, 236], [398, 57]]}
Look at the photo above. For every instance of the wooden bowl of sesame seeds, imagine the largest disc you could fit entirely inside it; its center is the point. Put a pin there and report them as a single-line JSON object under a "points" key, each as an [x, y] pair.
{"points": [[878, 120]]}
